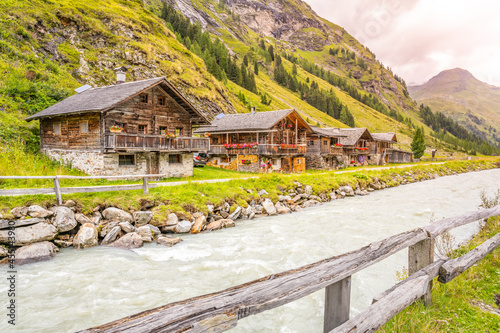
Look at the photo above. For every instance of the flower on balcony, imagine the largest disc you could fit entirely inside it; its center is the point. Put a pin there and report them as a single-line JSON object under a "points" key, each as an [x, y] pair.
{"points": [[285, 146], [116, 128], [206, 134], [339, 145], [170, 136], [240, 145], [352, 162]]}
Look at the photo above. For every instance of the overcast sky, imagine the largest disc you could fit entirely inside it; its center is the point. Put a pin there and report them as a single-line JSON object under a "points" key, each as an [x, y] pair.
{"points": [[420, 38]]}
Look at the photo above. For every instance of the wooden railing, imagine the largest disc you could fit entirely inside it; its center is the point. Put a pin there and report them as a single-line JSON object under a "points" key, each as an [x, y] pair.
{"points": [[58, 190], [123, 141], [220, 311], [258, 150], [331, 150]]}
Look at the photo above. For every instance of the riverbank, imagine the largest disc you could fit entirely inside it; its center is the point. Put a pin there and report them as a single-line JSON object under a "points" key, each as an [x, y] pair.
{"points": [[87, 221], [469, 303]]}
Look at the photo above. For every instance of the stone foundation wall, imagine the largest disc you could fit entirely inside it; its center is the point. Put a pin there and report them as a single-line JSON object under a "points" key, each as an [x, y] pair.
{"points": [[106, 164], [90, 162], [315, 162]]}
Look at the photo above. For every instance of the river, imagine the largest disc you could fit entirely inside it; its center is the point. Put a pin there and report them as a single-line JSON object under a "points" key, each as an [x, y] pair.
{"points": [[85, 288]]}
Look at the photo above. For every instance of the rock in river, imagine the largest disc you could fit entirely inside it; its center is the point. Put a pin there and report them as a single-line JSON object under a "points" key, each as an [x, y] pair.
{"points": [[130, 241], [168, 241], [35, 252]]}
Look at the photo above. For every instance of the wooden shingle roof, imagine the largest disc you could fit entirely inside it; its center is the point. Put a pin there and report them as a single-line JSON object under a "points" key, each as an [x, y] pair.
{"points": [[353, 135], [255, 121], [105, 98], [330, 132], [385, 137]]}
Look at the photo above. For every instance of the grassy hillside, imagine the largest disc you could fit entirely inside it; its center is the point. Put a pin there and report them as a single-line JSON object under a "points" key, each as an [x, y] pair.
{"points": [[472, 103]]}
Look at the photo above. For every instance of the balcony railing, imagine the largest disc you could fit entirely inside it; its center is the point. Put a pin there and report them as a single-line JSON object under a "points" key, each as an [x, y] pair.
{"points": [[258, 150], [331, 150], [123, 141]]}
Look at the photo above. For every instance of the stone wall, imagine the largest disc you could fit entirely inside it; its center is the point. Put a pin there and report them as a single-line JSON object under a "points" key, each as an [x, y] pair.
{"points": [[90, 162], [315, 162], [106, 164]]}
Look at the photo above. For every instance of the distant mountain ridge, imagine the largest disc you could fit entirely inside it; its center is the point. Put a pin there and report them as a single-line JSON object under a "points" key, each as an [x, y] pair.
{"points": [[471, 102]]}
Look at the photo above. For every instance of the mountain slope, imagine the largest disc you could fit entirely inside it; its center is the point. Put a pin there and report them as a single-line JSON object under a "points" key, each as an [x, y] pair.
{"points": [[458, 94]]}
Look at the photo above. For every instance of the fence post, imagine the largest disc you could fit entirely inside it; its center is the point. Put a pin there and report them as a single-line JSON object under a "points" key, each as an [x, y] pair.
{"points": [[337, 304], [420, 256], [57, 189], [145, 187]]}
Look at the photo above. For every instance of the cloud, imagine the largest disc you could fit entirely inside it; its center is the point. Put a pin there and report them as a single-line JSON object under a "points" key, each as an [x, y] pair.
{"points": [[420, 38]]}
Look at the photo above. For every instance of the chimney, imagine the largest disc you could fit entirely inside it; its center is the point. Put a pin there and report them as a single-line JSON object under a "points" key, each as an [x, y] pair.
{"points": [[120, 74]]}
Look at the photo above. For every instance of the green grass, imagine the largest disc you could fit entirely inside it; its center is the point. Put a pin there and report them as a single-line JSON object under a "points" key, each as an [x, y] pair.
{"points": [[451, 309]]}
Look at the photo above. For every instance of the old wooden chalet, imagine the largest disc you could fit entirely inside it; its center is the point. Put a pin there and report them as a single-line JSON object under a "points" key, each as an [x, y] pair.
{"points": [[358, 146], [258, 141], [324, 150], [141, 127], [386, 153]]}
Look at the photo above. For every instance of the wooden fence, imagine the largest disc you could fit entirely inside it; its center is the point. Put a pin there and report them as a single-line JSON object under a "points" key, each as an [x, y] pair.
{"points": [[221, 311], [58, 190]]}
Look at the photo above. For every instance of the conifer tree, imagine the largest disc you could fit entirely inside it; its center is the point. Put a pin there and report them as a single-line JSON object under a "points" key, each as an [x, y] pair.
{"points": [[256, 68], [418, 143]]}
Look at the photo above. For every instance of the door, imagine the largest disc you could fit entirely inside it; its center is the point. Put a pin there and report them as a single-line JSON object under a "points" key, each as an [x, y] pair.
{"points": [[286, 164], [153, 164]]}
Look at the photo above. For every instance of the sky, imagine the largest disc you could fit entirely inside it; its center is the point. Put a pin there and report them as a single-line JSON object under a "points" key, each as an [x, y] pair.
{"points": [[418, 39]]}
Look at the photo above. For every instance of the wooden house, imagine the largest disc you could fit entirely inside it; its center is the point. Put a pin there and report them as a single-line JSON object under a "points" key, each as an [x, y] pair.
{"points": [[258, 141], [386, 153], [141, 127], [324, 150], [358, 146]]}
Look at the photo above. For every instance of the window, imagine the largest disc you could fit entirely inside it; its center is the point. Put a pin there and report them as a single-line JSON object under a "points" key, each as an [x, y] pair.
{"points": [[179, 131], [142, 129], [84, 127], [57, 129], [325, 142], [224, 159], [143, 98], [215, 141], [310, 142], [126, 160], [163, 130], [162, 100], [248, 139], [174, 158]]}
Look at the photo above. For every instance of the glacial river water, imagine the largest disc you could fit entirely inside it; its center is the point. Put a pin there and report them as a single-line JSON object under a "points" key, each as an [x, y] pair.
{"points": [[85, 288]]}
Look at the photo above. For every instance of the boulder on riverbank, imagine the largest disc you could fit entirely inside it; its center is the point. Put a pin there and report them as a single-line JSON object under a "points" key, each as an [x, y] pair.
{"points": [[35, 252], [64, 218], [269, 207], [39, 232], [86, 237], [130, 241], [118, 215]]}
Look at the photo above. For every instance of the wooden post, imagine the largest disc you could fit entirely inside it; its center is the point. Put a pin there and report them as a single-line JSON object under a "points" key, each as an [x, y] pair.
{"points": [[337, 304], [421, 255], [57, 189], [145, 188]]}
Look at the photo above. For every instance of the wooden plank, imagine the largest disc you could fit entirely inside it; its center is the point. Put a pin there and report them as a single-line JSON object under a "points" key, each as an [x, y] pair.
{"points": [[432, 271], [57, 189], [93, 189], [454, 267], [27, 177], [27, 191], [437, 228], [381, 312], [263, 294], [337, 304], [145, 189], [421, 255]]}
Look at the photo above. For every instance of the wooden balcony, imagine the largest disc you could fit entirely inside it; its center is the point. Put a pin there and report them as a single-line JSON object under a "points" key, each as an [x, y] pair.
{"points": [[158, 143], [258, 150], [332, 150]]}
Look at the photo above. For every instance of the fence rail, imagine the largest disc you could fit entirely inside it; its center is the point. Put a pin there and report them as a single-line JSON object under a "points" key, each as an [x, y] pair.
{"points": [[125, 141], [221, 311], [58, 190]]}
